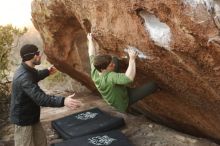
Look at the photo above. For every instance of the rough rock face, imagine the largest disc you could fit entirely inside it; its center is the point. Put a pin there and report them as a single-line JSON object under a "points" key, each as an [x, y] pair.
{"points": [[179, 47]]}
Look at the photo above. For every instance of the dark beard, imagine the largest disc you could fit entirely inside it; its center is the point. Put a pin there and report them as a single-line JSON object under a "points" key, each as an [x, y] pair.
{"points": [[35, 62]]}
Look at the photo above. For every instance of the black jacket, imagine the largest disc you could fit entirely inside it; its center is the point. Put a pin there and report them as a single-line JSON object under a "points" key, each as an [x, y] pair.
{"points": [[27, 97]]}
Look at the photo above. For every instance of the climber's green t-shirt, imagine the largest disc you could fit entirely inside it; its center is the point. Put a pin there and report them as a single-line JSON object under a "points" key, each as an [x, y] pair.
{"points": [[112, 87]]}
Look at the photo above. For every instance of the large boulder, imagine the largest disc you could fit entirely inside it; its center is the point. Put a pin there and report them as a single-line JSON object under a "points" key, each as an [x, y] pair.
{"points": [[179, 47]]}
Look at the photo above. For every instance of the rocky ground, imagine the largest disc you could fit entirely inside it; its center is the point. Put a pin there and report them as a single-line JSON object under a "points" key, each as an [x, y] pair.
{"points": [[138, 129]]}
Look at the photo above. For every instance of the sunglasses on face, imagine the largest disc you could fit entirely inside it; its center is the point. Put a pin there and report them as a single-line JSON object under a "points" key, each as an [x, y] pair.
{"points": [[37, 53], [34, 53]]}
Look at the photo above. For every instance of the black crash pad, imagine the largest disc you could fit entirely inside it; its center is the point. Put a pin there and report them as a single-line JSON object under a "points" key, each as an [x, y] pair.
{"points": [[111, 138], [86, 122]]}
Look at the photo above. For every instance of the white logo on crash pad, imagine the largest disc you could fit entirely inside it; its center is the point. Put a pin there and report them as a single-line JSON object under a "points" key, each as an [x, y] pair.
{"points": [[101, 140], [86, 116]]}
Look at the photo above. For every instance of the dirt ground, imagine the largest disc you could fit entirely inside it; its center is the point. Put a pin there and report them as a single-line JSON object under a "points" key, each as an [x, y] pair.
{"points": [[139, 130]]}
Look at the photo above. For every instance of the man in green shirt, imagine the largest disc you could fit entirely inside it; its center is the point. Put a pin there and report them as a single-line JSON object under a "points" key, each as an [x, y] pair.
{"points": [[111, 84]]}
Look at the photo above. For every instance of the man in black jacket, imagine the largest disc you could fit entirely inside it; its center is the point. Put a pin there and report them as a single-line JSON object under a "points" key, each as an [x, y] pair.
{"points": [[27, 97]]}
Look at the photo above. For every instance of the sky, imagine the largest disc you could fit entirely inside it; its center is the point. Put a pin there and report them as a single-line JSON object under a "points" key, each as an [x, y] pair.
{"points": [[15, 12]]}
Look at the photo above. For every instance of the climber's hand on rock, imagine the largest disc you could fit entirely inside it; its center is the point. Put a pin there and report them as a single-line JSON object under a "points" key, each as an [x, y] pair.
{"points": [[72, 103], [52, 70], [132, 54], [89, 36]]}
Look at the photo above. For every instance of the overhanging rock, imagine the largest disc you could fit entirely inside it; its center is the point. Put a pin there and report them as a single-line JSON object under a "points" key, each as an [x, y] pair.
{"points": [[179, 41]]}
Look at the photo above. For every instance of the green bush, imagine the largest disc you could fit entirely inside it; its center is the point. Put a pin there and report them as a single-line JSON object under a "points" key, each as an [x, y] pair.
{"points": [[8, 34]]}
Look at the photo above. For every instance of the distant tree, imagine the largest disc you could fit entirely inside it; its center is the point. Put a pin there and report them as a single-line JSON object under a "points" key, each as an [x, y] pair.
{"points": [[8, 33]]}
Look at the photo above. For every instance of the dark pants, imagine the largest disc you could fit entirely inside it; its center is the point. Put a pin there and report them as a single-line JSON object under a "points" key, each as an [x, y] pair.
{"points": [[138, 93]]}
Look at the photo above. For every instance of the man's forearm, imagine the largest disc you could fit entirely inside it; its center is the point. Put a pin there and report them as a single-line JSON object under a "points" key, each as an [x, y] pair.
{"points": [[131, 70], [91, 47], [43, 74]]}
